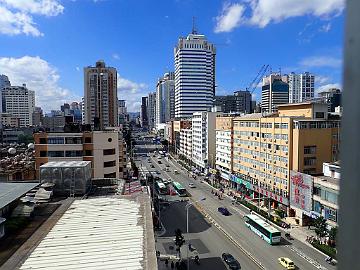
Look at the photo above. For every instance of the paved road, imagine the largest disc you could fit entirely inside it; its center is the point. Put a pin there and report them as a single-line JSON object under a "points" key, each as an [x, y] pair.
{"points": [[304, 256]]}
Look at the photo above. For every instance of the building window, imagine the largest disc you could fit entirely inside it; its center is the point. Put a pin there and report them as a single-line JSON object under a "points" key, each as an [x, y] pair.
{"points": [[73, 153], [109, 163], [310, 150], [87, 139], [110, 140], [88, 153], [309, 161], [73, 140], [43, 153], [43, 141], [109, 152], [110, 175], [56, 140], [56, 154], [319, 115]]}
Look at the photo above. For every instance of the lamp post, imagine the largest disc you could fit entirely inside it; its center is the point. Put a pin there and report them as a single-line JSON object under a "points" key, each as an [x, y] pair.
{"points": [[187, 226]]}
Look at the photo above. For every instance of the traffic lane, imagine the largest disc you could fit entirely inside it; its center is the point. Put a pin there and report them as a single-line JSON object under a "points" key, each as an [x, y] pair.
{"points": [[247, 236], [214, 241]]}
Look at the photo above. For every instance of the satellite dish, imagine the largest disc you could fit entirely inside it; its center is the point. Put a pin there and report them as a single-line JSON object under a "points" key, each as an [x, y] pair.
{"points": [[30, 146], [12, 151]]}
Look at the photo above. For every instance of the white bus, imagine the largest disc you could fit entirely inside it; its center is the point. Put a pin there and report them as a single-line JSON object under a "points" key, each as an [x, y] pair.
{"points": [[263, 229]]}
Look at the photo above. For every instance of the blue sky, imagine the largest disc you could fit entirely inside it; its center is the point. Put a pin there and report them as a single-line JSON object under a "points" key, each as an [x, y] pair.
{"points": [[46, 43]]}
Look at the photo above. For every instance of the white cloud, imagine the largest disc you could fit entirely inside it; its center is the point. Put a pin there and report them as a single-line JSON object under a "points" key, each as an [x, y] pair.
{"points": [[131, 92], [39, 76], [321, 61], [17, 15], [77, 69], [327, 86], [264, 12], [319, 79], [115, 56], [229, 18], [325, 28]]}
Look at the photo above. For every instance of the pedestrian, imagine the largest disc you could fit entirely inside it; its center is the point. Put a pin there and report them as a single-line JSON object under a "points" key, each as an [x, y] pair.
{"points": [[166, 262], [172, 265], [309, 227]]}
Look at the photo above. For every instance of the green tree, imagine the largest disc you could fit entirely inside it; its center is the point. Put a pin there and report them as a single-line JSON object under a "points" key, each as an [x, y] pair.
{"points": [[332, 236], [320, 227], [217, 177]]}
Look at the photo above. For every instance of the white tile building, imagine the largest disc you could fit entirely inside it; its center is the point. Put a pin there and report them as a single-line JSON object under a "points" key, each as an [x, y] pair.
{"points": [[194, 75], [301, 87], [186, 142], [19, 102], [224, 139], [203, 139]]}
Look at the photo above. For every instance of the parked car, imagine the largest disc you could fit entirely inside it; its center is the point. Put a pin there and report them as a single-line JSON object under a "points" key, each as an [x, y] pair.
{"points": [[224, 211], [167, 165], [287, 263], [191, 185], [157, 172], [231, 261], [152, 166], [176, 171], [159, 162]]}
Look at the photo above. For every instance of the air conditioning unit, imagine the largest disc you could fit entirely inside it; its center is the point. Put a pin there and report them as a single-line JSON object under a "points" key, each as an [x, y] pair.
{"points": [[274, 151], [286, 165], [286, 153], [270, 140], [255, 147], [274, 161], [274, 140], [248, 137], [248, 146], [286, 142]]}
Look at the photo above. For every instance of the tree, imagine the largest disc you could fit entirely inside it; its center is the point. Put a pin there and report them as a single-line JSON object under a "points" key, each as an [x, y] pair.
{"points": [[332, 236], [320, 227], [217, 177]]}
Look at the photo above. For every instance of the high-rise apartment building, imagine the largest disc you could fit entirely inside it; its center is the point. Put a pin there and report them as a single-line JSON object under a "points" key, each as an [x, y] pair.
{"points": [[165, 99], [275, 91], [151, 110], [4, 81], [240, 102], [332, 97], [100, 96], [19, 102], [144, 112], [194, 75], [301, 87]]}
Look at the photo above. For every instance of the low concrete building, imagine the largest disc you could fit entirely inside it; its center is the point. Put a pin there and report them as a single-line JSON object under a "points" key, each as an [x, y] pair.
{"points": [[8, 120], [99, 147]]}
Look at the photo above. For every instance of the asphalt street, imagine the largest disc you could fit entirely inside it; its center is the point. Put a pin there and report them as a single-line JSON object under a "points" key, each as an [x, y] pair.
{"points": [[304, 257]]}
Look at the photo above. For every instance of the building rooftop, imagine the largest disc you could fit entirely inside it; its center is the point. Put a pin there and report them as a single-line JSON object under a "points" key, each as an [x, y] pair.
{"points": [[10, 192], [98, 233], [309, 102], [65, 164]]}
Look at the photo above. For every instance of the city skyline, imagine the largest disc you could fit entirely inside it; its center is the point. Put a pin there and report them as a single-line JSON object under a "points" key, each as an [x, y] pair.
{"points": [[298, 38]]}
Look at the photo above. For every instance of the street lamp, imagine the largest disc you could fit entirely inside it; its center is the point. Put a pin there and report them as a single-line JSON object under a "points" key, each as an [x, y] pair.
{"points": [[187, 226]]}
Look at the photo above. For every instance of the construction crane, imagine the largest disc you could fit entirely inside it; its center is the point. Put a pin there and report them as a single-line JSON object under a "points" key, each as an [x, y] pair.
{"points": [[254, 83]]}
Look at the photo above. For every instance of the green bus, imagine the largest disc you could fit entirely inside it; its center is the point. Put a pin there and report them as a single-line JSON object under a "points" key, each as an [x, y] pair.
{"points": [[180, 190], [263, 229]]}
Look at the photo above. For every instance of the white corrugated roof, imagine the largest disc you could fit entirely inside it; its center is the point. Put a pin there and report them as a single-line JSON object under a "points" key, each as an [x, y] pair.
{"points": [[73, 163], [99, 233]]}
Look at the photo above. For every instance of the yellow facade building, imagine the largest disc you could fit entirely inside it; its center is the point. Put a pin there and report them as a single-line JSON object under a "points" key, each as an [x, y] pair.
{"points": [[298, 137]]}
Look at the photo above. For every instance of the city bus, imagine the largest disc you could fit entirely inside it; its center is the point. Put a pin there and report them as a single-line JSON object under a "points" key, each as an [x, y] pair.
{"points": [[161, 188], [263, 229], [180, 190]]}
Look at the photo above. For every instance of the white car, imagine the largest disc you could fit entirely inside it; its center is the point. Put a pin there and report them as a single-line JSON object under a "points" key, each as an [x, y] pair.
{"points": [[191, 185]]}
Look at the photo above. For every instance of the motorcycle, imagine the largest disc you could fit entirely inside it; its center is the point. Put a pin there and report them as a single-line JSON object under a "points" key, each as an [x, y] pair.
{"points": [[197, 260]]}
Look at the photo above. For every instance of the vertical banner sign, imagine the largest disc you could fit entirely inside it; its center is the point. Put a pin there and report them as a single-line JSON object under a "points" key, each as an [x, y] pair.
{"points": [[301, 191]]}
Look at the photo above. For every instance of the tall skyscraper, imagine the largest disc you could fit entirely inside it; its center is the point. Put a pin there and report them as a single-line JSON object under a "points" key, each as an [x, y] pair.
{"points": [[4, 81], [19, 102], [151, 110], [165, 99], [275, 91], [100, 96], [144, 112], [194, 75], [301, 87]]}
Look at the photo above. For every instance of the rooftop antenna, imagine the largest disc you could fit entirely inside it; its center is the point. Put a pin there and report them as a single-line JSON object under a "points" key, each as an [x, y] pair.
{"points": [[194, 31]]}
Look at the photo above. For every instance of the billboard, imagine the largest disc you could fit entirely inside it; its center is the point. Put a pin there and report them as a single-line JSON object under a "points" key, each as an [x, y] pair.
{"points": [[301, 188]]}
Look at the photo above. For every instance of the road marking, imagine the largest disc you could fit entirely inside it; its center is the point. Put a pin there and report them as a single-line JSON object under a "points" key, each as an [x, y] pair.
{"points": [[308, 259]]}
